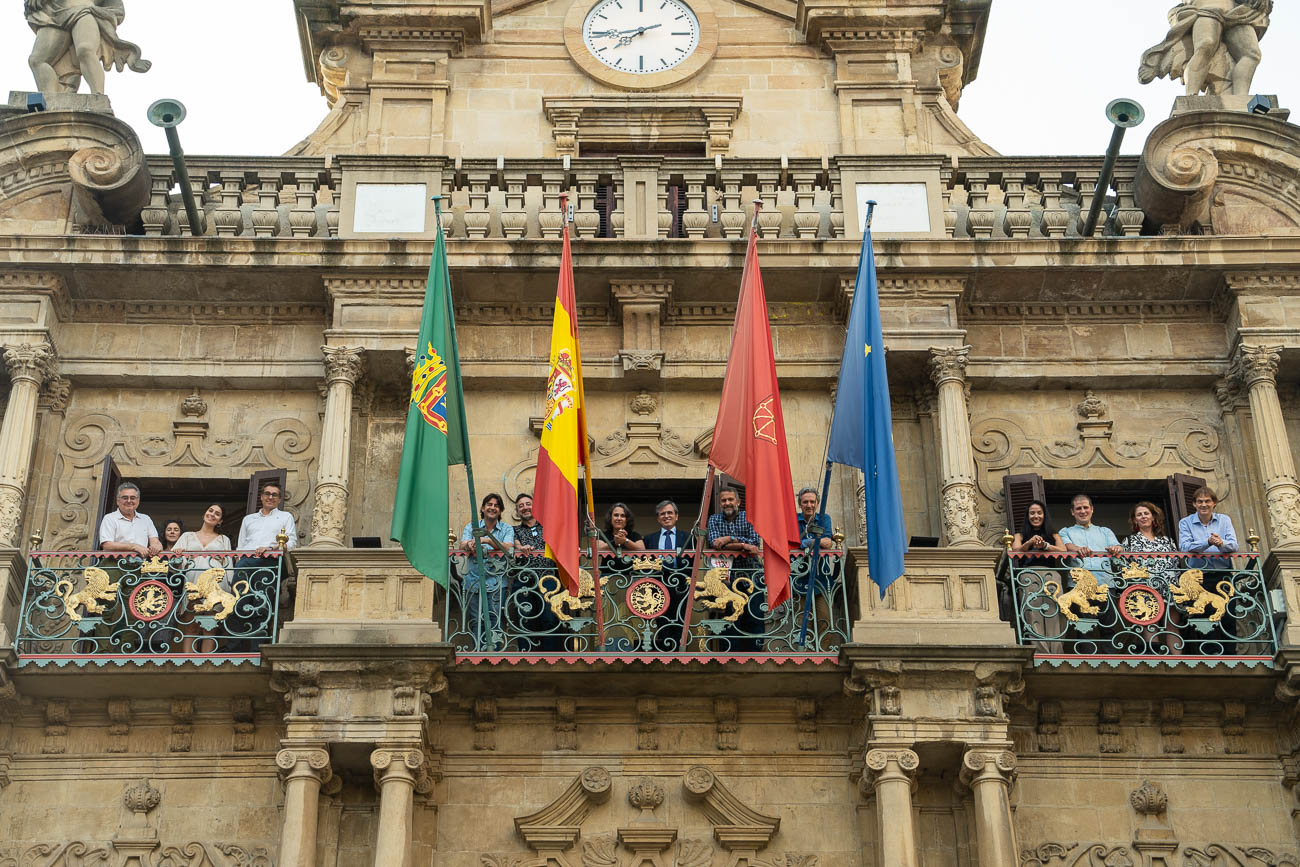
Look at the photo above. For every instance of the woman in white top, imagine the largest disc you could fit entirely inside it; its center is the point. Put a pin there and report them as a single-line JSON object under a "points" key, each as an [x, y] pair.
{"points": [[206, 538]]}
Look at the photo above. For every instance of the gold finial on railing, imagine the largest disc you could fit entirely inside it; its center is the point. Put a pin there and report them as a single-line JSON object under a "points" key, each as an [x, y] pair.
{"points": [[838, 537], [34, 541], [1007, 539], [1252, 539], [282, 538], [451, 538]]}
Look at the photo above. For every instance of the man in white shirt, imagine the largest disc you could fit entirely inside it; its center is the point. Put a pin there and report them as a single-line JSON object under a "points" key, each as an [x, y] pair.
{"points": [[259, 530], [125, 529]]}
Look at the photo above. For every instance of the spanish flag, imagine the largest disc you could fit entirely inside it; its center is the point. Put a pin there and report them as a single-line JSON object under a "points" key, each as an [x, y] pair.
{"points": [[564, 433]]}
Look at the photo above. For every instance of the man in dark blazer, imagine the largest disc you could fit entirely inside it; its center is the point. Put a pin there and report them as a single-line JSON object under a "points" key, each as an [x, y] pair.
{"points": [[676, 574]]}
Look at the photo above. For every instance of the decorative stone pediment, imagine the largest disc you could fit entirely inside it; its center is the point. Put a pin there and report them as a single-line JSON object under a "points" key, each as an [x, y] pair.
{"points": [[642, 119], [644, 839]]}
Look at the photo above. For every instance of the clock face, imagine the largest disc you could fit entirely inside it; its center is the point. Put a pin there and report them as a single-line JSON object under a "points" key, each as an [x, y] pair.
{"points": [[641, 37]]}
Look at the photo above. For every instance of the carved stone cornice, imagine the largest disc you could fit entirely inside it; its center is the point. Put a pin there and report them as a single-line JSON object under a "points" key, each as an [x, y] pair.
{"points": [[32, 362], [1009, 312], [299, 762], [641, 294], [227, 313], [948, 364], [1264, 282], [1257, 363], [343, 364], [980, 764]]}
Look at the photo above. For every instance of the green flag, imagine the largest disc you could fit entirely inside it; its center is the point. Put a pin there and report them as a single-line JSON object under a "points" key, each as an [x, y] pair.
{"points": [[436, 435]]}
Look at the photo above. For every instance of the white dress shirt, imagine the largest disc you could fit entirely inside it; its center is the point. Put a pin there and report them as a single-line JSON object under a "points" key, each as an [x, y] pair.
{"points": [[259, 531], [134, 531]]}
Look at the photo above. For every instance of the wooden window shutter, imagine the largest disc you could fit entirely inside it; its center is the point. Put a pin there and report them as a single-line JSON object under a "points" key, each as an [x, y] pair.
{"points": [[1020, 490], [109, 479], [1181, 488]]}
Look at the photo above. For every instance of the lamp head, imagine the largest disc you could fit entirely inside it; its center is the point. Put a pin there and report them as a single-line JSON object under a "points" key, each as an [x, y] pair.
{"points": [[166, 113], [1125, 112]]}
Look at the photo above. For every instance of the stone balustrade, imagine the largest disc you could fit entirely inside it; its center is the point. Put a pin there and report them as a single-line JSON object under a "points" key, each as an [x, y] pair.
{"points": [[646, 197]]}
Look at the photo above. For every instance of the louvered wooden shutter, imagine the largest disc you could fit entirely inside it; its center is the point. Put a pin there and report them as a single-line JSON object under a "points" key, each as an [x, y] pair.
{"points": [[1020, 490], [1181, 488]]}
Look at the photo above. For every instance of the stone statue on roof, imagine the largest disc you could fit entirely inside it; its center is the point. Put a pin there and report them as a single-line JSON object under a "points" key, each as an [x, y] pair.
{"points": [[1212, 45], [78, 39]]}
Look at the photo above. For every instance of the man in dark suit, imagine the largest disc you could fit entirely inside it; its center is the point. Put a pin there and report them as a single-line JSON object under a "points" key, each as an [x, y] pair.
{"points": [[676, 574]]}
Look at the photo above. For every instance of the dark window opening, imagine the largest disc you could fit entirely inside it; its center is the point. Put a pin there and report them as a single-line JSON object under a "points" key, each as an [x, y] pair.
{"points": [[658, 149], [605, 202], [676, 202], [1112, 500], [643, 495]]}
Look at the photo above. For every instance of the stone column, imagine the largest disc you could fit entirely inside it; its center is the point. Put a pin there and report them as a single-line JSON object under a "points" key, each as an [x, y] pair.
{"points": [[303, 770], [343, 367], [989, 773], [956, 459], [399, 773], [29, 364], [1257, 366], [890, 773]]}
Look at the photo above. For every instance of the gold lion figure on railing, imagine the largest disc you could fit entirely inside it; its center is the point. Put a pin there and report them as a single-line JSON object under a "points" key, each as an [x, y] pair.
{"points": [[98, 588], [559, 597], [1086, 591], [1191, 588], [207, 587], [714, 584]]}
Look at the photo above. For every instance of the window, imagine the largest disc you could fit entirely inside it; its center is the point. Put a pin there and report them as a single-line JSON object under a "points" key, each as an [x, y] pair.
{"points": [[1112, 500]]}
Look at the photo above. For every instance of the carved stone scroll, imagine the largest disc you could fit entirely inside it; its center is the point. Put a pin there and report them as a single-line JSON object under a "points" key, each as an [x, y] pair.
{"points": [[556, 827], [736, 826]]}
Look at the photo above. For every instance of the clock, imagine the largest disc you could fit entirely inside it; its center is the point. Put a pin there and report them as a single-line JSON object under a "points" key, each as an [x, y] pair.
{"points": [[641, 44], [641, 37]]}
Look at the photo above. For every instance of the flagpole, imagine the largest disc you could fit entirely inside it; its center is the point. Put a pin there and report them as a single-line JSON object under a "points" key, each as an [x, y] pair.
{"points": [[584, 456], [701, 535], [477, 531]]}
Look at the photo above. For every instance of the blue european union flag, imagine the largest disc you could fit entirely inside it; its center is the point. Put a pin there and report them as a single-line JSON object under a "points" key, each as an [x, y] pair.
{"points": [[862, 430]]}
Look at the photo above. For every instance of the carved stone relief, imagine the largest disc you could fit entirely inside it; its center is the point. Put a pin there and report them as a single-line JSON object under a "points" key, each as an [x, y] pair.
{"points": [[1185, 444], [281, 442]]}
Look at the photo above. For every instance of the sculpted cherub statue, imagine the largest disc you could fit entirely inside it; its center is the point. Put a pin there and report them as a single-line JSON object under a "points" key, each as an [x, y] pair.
{"points": [[1212, 45], [78, 39]]}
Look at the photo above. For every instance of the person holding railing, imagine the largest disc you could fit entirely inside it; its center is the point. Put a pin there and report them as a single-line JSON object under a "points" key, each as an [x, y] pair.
{"points": [[126, 528], [1089, 540], [482, 593], [729, 530], [814, 529], [1147, 535], [206, 538]]}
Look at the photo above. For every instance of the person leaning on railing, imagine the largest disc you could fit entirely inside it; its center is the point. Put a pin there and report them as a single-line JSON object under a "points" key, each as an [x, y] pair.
{"points": [[1088, 539], [1036, 533], [206, 538], [620, 528], [1147, 535], [730, 530], [812, 526], [495, 537], [126, 529]]}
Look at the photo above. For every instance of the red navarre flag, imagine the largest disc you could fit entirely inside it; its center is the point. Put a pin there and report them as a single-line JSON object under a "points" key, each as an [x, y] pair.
{"points": [[749, 435]]}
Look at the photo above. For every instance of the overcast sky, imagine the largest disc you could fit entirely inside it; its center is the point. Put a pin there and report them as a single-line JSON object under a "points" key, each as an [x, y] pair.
{"points": [[1048, 69]]}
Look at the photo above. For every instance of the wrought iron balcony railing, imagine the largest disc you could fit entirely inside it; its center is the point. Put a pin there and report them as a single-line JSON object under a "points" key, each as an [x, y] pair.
{"points": [[1140, 609], [93, 608], [519, 610]]}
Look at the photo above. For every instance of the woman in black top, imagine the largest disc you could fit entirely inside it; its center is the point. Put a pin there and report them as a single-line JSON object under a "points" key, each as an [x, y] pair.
{"points": [[619, 525], [1037, 533]]}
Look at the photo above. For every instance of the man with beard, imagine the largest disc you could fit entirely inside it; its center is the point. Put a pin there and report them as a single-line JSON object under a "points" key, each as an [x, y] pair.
{"points": [[730, 530], [530, 545]]}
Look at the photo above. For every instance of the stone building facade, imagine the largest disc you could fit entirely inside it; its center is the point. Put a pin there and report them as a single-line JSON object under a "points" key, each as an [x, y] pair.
{"points": [[275, 339]]}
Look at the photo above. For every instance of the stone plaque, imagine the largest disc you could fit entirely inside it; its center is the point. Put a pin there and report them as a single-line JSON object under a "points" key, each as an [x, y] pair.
{"points": [[900, 208], [390, 208]]}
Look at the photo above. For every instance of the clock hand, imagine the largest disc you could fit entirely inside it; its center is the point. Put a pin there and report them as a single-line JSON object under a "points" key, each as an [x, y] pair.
{"points": [[637, 31]]}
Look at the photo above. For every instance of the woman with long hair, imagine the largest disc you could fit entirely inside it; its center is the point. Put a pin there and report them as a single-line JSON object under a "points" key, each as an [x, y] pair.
{"points": [[1037, 533], [620, 529]]}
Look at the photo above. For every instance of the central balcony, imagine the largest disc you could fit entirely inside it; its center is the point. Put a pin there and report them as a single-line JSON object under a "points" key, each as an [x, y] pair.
{"points": [[520, 611]]}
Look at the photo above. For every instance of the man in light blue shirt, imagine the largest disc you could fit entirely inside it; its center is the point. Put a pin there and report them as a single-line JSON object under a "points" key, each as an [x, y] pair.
{"points": [[1207, 530], [496, 542], [1088, 539]]}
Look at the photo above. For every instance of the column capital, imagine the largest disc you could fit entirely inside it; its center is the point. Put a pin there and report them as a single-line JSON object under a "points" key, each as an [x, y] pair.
{"points": [[1258, 363], [401, 763], [988, 763], [300, 762], [886, 764], [343, 364], [29, 361], [948, 363]]}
